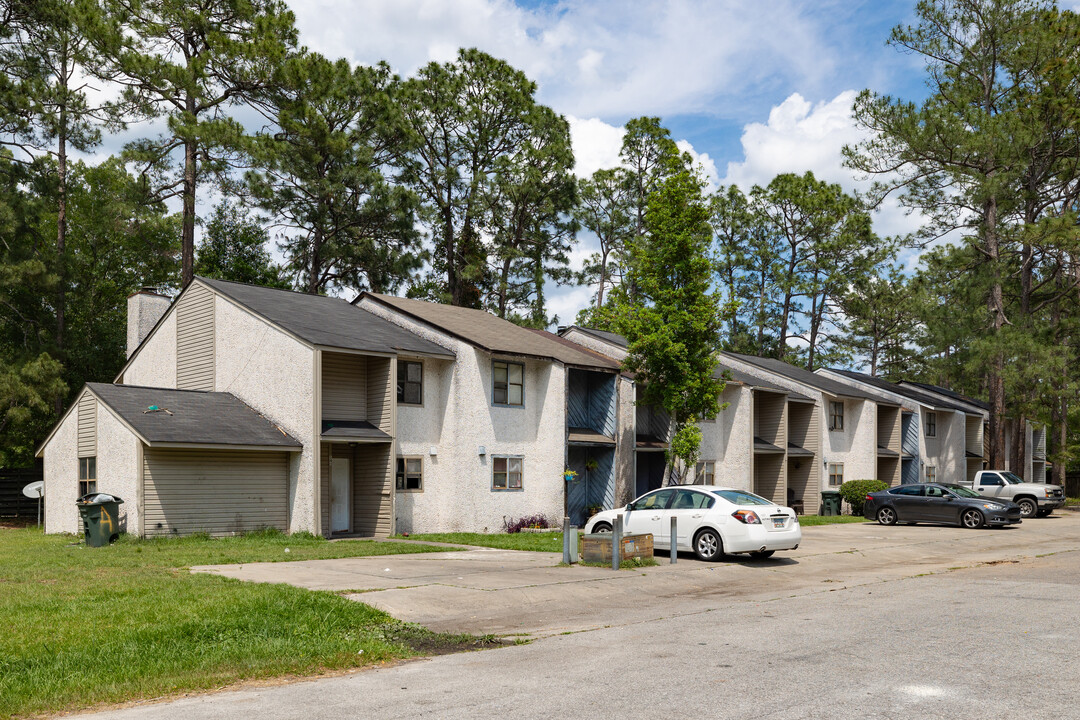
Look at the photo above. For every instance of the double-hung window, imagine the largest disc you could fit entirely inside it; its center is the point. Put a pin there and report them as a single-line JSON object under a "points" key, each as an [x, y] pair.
{"points": [[87, 475], [410, 382], [836, 474], [931, 473], [705, 473], [508, 386], [931, 424], [836, 415], [410, 474], [506, 473]]}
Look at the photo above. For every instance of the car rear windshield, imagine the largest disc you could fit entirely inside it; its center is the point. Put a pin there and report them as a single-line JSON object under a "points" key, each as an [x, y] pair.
{"points": [[740, 497], [962, 491]]}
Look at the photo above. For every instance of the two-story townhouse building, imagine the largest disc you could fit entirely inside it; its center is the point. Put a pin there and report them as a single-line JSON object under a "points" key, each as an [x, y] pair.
{"points": [[488, 437], [242, 407]]}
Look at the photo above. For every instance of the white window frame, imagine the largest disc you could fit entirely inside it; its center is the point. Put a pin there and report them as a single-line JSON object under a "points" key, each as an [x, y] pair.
{"points": [[836, 470], [508, 482], [834, 405], [705, 472], [403, 364], [402, 474]]}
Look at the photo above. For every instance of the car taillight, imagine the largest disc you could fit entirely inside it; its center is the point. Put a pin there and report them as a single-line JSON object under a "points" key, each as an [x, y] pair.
{"points": [[869, 498], [748, 517]]}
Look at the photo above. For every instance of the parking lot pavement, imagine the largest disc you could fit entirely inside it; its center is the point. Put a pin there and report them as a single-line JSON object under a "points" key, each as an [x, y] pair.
{"points": [[987, 641], [512, 592]]}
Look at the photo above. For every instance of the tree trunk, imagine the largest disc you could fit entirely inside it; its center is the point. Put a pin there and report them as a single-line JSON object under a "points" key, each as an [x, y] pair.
{"points": [[315, 262], [187, 235], [1017, 451], [61, 242], [996, 308], [603, 279], [504, 285]]}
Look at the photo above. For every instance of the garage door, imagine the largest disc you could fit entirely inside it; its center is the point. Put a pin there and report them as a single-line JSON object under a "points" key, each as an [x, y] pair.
{"points": [[220, 492]]}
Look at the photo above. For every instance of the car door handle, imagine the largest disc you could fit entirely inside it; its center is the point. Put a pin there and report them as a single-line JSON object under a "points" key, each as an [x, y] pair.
{"points": [[697, 515], [655, 517]]}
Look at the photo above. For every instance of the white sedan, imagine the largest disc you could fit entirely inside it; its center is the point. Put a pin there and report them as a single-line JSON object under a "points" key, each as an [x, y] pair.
{"points": [[710, 520]]}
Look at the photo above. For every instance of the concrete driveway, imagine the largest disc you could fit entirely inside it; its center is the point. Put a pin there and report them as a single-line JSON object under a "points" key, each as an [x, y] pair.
{"points": [[517, 593]]}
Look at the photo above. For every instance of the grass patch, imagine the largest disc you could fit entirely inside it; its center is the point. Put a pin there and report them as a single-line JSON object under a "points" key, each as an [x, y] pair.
{"points": [[536, 542], [810, 520], [631, 564], [86, 626], [1072, 502]]}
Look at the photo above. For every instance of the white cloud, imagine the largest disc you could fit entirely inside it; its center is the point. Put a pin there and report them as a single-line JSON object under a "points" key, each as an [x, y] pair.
{"points": [[703, 161], [596, 144], [801, 136], [606, 58]]}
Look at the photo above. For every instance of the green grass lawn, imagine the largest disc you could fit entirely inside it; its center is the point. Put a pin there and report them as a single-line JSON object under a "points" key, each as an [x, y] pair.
{"points": [[82, 626], [540, 542], [1070, 502], [808, 520]]}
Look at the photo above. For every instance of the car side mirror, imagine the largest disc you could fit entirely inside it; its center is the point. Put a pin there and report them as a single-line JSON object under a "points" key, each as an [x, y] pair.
{"points": [[949, 498], [629, 507]]}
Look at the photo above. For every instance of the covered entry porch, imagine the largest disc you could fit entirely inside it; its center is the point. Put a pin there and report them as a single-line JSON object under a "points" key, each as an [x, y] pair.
{"points": [[357, 488]]}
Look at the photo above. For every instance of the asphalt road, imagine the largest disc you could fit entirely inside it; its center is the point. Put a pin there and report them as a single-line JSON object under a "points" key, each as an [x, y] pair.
{"points": [[987, 641]]}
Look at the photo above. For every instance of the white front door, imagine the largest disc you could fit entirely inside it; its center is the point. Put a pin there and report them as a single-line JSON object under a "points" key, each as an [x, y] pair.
{"points": [[339, 494]]}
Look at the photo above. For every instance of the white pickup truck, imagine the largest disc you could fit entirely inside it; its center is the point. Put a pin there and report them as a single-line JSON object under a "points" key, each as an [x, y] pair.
{"points": [[1034, 499]]}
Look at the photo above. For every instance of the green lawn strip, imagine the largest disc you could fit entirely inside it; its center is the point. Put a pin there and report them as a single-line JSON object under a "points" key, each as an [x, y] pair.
{"points": [[809, 520], [80, 626], [538, 542], [1069, 502]]}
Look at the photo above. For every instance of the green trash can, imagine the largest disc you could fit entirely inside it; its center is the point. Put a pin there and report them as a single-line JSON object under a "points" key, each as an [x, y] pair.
{"points": [[830, 502], [100, 514]]}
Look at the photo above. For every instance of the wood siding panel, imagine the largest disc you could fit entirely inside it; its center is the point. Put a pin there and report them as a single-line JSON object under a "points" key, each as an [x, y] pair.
{"points": [[770, 480], [195, 340], [324, 486], [888, 428], [974, 436], [769, 416], [220, 492], [344, 386], [591, 401], [381, 394], [373, 488], [88, 409]]}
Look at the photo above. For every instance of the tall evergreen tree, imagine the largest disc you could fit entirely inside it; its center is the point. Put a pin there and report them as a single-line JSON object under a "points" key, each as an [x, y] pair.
{"points": [[233, 247]]}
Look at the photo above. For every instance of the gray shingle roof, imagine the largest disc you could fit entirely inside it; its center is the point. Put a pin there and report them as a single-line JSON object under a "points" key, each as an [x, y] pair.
{"points": [[828, 385], [945, 392], [613, 338], [493, 334], [327, 321], [906, 390], [194, 417]]}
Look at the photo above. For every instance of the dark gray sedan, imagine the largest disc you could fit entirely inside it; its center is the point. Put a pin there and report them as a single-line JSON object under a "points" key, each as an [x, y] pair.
{"points": [[939, 503]]}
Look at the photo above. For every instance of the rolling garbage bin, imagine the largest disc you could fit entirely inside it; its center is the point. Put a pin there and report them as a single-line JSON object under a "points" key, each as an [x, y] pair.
{"points": [[100, 514], [830, 502]]}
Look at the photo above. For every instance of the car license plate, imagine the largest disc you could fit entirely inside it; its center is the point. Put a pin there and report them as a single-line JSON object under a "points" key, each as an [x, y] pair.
{"points": [[778, 522]]}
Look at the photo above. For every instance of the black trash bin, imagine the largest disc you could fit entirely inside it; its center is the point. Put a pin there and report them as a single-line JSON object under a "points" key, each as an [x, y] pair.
{"points": [[100, 514], [830, 502]]}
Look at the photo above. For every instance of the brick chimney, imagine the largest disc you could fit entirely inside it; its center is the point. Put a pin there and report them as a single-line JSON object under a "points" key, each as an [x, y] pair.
{"points": [[145, 308]]}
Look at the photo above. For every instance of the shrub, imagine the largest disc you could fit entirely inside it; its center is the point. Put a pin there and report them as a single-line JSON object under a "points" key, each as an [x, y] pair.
{"points": [[854, 492], [529, 521]]}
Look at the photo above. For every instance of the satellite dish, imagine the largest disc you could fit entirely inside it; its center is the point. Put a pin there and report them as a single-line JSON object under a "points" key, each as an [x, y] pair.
{"points": [[34, 490]]}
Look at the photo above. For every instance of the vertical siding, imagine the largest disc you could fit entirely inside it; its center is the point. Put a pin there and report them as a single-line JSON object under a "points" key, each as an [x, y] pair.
{"points": [[324, 487], [770, 480], [577, 398], [373, 489], [591, 401], [381, 394], [769, 414], [344, 386], [88, 409], [888, 427], [974, 435], [220, 492], [195, 339]]}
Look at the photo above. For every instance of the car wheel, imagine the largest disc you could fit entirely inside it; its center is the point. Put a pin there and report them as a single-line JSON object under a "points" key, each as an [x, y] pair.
{"points": [[1028, 508], [601, 527], [972, 519], [886, 516], [708, 546], [762, 554]]}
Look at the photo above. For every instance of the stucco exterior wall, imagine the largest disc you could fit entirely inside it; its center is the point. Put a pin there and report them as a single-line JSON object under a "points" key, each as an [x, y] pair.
{"points": [[625, 438], [728, 440], [62, 476], [595, 344], [457, 493], [155, 363], [856, 444], [946, 451], [273, 373], [117, 471]]}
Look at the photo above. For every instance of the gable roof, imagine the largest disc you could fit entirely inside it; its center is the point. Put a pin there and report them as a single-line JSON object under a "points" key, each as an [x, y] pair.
{"points": [[493, 334], [953, 395], [909, 392], [327, 321], [804, 376], [610, 337], [194, 417]]}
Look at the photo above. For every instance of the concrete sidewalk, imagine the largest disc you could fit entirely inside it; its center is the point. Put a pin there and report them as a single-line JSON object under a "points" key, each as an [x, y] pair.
{"points": [[511, 592]]}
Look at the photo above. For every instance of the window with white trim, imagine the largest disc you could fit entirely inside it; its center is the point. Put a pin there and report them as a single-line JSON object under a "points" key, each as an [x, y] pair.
{"points": [[508, 383], [410, 474], [705, 472], [931, 424], [836, 474], [87, 475], [410, 382], [506, 473], [836, 415]]}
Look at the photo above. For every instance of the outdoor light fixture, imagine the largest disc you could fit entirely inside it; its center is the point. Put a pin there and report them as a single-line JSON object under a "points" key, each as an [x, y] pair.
{"points": [[433, 451], [481, 450]]}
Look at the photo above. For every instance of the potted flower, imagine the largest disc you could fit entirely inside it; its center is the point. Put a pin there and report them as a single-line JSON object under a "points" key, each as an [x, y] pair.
{"points": [[569, 475]]}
